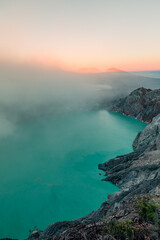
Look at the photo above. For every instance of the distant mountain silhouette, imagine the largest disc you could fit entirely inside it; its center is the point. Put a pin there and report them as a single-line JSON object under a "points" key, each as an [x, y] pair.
{"points": [[96, 70], [114, 70]]}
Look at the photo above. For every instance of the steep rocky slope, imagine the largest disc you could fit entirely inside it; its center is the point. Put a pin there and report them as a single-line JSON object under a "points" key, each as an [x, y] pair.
{"points": [[133, 212], [143, 104]]}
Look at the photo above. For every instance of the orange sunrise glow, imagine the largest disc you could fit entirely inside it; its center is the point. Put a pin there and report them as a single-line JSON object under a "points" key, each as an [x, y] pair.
{"points": [[89, 37]]}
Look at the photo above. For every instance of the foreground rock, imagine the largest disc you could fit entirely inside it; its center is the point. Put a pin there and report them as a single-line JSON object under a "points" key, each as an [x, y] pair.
{"points": [[133, 213]]}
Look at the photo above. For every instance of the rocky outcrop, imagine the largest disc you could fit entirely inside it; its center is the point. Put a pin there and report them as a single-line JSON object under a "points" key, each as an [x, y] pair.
{"points": [[123, 215], [149, 138], [139, 171], [142, 103]]}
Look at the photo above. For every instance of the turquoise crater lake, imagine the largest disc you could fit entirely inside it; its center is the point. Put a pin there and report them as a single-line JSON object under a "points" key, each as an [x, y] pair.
{"points": [[49, 167]]}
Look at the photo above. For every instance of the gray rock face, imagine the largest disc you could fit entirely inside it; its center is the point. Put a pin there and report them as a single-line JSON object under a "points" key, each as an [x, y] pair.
{"points": [[142, 103], [149, 138], [138, 172]]}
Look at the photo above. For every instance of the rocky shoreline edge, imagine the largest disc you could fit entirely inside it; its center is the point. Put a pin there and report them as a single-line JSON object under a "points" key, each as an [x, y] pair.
{"points": [[134, 212]]}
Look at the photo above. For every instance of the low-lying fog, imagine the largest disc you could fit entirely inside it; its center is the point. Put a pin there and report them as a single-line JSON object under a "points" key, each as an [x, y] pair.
{"points": [[29, 92]]}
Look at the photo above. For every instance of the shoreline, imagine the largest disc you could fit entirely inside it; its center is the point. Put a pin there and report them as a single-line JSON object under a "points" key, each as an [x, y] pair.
{"points": [[135, 173]]}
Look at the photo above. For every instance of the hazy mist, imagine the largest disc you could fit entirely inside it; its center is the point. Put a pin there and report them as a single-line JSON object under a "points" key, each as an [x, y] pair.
{"points": [[29, 92]]}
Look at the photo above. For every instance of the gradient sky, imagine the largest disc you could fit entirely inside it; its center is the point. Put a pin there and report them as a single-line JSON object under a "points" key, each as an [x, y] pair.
{"points": [[80, 34]]}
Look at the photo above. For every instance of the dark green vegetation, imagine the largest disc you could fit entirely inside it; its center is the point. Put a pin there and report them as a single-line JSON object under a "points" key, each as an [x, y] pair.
{"points": [[148, 209], [139, 221], [121, 230]]}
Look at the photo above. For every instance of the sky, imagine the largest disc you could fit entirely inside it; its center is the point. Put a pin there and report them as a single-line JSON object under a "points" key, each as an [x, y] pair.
{"points": [[81, 35]]}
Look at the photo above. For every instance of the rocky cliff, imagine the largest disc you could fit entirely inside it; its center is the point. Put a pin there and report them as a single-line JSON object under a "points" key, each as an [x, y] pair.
{"points": [[143, 104], [134, 211]]}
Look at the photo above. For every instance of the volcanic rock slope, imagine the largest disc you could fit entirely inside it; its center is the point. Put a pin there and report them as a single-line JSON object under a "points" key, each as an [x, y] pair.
{"points": [[133, 212], [142, 103]]}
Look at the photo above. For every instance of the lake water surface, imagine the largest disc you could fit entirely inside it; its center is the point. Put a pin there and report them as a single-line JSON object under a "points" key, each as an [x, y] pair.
{"points": [[49, 167]]}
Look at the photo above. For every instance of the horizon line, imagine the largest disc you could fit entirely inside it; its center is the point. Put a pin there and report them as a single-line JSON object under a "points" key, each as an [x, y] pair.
{"points": [[52, 66]]}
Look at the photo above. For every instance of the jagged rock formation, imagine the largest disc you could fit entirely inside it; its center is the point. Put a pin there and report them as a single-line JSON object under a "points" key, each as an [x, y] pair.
{"points": [[149, 138], [143, 104], [137, 173]]}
